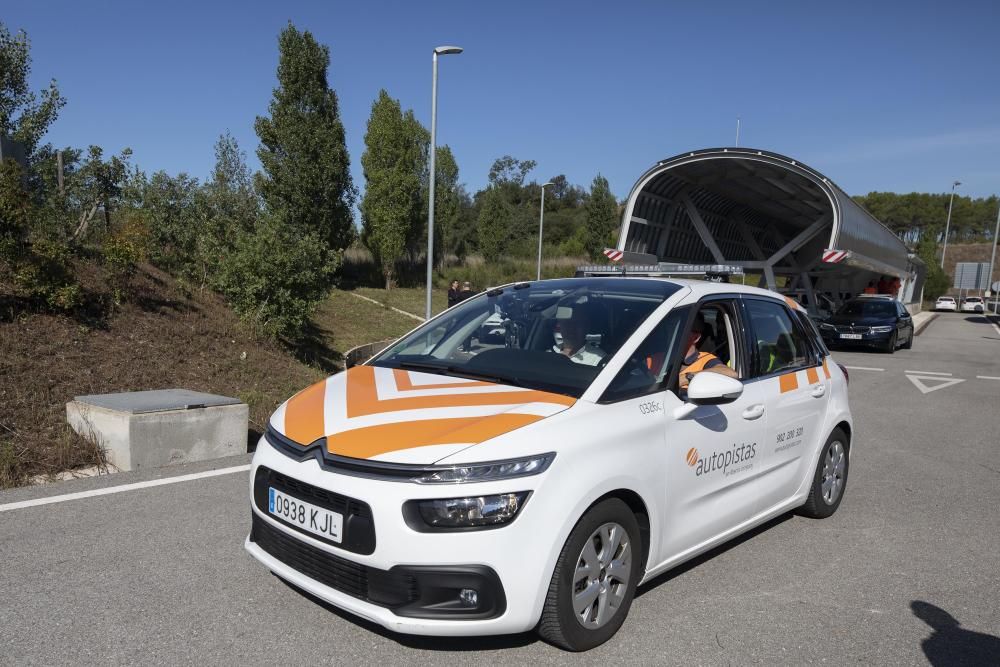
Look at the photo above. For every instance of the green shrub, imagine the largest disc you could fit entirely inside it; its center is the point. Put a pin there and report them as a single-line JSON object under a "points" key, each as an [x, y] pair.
{"points": [[275, 277]]}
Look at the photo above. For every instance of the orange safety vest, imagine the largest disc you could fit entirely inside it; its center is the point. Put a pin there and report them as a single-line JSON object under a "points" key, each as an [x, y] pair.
{"points": [[699, 363]]}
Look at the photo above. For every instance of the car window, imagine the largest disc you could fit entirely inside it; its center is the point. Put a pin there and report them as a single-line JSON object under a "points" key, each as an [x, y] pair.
{"points": [[867, 308], [780, 344], [554, 335], [813, 334], [652, 363]]}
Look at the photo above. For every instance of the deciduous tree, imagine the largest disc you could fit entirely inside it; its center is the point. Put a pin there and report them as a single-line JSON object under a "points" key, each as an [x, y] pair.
{"points": [[393, 164]]}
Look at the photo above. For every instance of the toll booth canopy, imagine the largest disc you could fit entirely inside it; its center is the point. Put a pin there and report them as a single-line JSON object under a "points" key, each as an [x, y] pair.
{"points": [[767, 213]]}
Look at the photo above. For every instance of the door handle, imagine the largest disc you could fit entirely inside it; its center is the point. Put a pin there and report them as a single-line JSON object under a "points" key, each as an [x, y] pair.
{"points": [[754, 411], [818, 391]]}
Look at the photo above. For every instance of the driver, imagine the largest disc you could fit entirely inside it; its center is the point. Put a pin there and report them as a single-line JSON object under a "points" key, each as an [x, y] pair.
{"points": [[574, 339], [696, 361]]}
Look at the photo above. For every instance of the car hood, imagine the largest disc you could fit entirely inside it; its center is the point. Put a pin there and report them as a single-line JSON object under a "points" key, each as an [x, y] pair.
{"points": [[387, 414], [863, 321]]}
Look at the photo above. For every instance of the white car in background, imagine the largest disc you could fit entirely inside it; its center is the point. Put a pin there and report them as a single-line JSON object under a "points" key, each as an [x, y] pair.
{"points": [[440, 492], [946, 303], [973, 304]]}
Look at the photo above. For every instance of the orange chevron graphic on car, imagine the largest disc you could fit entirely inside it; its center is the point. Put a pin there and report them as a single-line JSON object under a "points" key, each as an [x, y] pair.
{"points": [[371, 411]]}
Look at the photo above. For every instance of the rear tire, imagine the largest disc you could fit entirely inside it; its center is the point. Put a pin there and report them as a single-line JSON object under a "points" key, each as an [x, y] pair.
{"points": [[594, 580], [830, 478]]}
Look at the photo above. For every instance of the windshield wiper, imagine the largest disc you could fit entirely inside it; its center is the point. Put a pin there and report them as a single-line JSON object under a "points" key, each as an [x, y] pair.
{"points": [[459, 371]]}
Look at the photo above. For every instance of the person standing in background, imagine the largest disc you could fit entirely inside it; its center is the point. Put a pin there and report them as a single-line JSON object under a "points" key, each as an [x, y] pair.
{"points": [[453, 293], [466, 291]]}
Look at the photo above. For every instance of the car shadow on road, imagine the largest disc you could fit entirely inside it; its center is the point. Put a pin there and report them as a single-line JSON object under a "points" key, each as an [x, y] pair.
{"points": [[487, 643], [950, 643], [709, 555]]}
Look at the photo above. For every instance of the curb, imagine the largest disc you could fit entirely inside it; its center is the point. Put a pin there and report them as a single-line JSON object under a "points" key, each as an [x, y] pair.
{"points": [[920, 328]]}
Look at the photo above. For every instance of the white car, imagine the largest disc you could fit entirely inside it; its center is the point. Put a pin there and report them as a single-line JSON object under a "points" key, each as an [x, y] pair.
{"points": [[972, 304], [946, 303], [535, 484]]}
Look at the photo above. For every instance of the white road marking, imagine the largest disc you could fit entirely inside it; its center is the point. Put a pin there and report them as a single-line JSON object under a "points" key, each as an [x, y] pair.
{"points": [[987, 377], [918, 382], [862, 368], [927, 372], [122, 488], [995, 327]]}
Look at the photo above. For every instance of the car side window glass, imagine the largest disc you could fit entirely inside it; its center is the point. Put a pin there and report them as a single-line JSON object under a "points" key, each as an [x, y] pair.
{"points": [[651, 363], [812, 333], [780, 344]]}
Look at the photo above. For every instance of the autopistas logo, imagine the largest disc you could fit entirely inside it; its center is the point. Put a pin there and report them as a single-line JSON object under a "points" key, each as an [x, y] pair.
{"points": [[734, 460]]}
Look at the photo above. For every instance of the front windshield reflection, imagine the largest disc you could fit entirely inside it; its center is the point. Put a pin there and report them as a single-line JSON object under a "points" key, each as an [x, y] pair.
{"points": [[554, 335]]}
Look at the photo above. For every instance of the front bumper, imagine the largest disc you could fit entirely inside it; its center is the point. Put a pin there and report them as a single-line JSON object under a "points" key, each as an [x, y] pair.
{"points": [[409, 581], [832, 338]]}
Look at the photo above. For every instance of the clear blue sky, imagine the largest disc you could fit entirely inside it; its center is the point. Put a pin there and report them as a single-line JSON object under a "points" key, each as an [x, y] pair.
{"points": [[877, 97]]}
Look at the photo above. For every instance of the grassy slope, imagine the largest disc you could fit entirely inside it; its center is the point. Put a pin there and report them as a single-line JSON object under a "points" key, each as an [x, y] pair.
{"points": [[162, 338]]}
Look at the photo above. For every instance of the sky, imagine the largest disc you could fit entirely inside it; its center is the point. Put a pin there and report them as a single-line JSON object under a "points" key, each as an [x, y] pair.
{"points": [[878, 96]]}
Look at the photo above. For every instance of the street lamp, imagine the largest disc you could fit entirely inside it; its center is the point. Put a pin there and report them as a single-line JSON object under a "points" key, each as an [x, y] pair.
{"points": [[442, 51], [993, 257], [541, 222], [947, 225]]}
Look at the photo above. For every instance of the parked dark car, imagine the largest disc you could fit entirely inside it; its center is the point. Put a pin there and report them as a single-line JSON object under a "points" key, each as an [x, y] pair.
{"points": [[880, 322]]}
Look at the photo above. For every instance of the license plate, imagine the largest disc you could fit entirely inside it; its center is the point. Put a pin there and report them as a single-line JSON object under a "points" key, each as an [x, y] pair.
{"points": [[308, 517], [851, 336]]}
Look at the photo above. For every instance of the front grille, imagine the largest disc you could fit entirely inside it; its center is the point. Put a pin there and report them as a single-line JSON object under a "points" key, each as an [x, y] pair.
{"points": [[843, 328], [359, 526], [382, 587]]}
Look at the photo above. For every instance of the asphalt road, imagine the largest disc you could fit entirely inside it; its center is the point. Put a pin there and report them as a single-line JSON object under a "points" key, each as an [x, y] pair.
{"points": [[905, 573]]}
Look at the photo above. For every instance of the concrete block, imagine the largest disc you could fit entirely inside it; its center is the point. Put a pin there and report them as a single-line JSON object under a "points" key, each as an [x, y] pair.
{"points": [[147, 429]]}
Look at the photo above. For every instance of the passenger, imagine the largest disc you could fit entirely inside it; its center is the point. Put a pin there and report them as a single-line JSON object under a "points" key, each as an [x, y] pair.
{"points": [[574, 339], [696, 361], [871, 289]]}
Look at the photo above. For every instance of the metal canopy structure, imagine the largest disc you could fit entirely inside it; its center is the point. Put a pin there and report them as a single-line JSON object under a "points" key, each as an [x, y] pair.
{"points": [[763, 211]]}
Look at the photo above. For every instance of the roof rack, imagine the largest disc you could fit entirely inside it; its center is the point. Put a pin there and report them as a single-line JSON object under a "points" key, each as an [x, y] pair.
{"points": [[660, 270]]}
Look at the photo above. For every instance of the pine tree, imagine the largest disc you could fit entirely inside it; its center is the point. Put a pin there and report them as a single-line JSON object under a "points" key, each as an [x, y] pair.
{"points": [[494, 225], [602, 217]]}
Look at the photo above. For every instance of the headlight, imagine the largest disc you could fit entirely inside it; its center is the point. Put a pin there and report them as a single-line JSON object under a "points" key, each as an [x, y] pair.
{"points": [[882, 329], [828, 327], [471, 512], [488, 472]]}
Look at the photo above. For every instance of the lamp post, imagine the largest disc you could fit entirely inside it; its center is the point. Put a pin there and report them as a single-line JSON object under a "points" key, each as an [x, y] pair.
{"points": [[442, 51], [541, 226], [993, 257], [947, 225]]}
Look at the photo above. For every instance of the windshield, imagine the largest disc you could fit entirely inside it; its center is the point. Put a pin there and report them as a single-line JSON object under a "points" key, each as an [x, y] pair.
{"points": [[973, 299], [868, 309], [555, 335]]}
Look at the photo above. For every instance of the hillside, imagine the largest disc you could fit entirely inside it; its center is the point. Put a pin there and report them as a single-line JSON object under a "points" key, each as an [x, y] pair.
{"points": [[164, 336]]}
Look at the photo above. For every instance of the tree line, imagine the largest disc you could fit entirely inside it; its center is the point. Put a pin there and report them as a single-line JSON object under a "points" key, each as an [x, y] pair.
{"points": [[271, 242]]}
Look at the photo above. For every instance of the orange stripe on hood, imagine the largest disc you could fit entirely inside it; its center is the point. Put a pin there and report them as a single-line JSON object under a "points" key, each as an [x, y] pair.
{"points": [[403, 383], [304, 414], [362, 397], [366, 442]]}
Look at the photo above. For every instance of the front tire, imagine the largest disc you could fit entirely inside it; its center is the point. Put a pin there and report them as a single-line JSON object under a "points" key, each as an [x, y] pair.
{"points": [[830, 478], [890, 347], [595, 578], [909, 341]]}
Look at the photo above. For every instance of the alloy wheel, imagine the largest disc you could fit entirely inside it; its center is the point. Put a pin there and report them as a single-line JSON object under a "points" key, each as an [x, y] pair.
{"points": [[602, 574]]}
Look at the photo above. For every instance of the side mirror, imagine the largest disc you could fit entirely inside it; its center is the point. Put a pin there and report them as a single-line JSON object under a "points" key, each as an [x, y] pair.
{"points": [[713, 389]]}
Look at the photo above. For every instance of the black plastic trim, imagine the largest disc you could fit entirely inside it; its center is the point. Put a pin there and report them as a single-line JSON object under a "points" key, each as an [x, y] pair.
{"points": [[359, 525], [411, 591], [439, 587]]}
